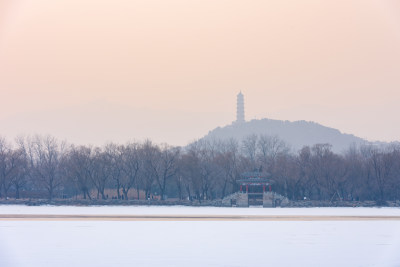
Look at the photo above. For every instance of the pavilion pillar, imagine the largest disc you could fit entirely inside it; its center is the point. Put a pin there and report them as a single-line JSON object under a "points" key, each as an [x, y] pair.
{"points": [[241, 189], [270, 189], [263, 188], [247, 188]]}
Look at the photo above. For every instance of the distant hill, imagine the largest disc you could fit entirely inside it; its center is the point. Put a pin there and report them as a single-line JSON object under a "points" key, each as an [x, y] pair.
{"points": [[296, 134]]}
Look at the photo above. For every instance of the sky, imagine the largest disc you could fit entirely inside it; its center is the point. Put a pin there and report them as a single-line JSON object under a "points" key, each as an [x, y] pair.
{"points": [[94, 71]]}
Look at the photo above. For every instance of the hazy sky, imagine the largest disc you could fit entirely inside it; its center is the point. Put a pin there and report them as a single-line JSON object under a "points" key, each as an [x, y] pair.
{"points": [[96, 71]]}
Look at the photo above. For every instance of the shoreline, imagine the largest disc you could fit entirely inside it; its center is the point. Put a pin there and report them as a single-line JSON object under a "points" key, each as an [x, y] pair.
{"points": [[205, 203], [63, 217]]}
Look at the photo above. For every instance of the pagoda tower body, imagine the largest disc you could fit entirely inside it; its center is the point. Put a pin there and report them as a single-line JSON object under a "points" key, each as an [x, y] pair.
{"points": [[240, 108]]}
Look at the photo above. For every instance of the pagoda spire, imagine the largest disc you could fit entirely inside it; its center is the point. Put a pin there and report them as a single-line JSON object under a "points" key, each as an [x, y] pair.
{"points": [[240, 108]]}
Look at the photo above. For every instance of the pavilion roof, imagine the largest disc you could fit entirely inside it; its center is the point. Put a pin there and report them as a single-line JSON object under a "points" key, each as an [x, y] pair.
{"points": [[255, 181], [255, 178]]}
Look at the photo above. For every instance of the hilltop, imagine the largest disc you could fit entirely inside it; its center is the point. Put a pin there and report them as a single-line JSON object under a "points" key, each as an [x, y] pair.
{"points": [[296, 134]]}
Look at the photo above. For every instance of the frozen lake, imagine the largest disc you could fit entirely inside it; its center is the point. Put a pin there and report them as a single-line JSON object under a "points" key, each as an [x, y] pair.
{"points": [[199, 243]]}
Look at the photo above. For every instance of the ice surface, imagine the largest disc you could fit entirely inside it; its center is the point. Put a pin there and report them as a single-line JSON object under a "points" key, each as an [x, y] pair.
{"points": [[178, 210], [195, 243]]}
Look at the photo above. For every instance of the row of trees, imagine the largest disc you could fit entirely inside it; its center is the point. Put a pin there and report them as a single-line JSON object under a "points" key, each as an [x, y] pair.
{"points": [[34, 166]]}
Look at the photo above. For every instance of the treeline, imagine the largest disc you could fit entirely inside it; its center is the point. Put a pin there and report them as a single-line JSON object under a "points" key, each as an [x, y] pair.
{"points": [[42, 166]]}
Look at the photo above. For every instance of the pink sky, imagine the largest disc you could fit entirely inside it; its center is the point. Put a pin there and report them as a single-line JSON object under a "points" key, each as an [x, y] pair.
{"points": [[96, 71]]}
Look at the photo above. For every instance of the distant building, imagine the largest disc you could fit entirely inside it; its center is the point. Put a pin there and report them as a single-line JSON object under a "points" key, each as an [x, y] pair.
{"points": [[256, 190], [240, 108], [255, 185]]}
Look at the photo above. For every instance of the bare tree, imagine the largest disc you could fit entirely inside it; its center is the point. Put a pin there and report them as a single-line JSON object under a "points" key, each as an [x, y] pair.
{"points": [[46, 154], [10, 160], [204, 170], [114, 160], [306, 181], [228, 160], [191, 174], [131, 166], [269, 148], [357, 175], [286, 175], [249, 149], [165, 166], [381, 163], [100, 167], [80, 168], [395, 182], [149, 154], [21, 174]]}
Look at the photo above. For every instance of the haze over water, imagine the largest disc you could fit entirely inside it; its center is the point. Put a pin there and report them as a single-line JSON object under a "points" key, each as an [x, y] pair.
{"points": [[96, 71]]}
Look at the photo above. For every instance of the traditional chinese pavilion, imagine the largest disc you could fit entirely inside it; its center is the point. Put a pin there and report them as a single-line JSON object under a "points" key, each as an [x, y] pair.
{"points": [[255, 184]]}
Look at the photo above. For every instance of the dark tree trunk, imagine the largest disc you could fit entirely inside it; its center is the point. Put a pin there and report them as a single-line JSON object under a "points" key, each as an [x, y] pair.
{"points": [[125, 192], [118, 190], [17, 192], [88, 194]]}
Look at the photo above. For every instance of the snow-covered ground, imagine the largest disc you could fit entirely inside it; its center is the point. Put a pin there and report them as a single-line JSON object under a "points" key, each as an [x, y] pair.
{"points": [[184, 210], [199, 243]]}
